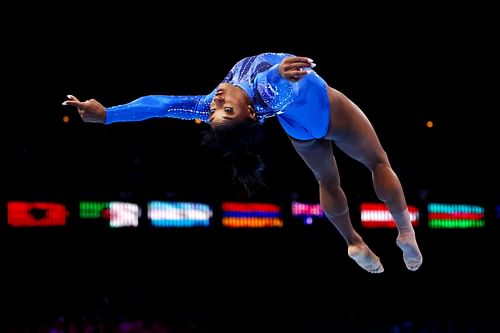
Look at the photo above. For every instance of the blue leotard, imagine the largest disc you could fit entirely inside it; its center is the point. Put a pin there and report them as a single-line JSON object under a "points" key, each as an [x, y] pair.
{"points": [[302, 108]]}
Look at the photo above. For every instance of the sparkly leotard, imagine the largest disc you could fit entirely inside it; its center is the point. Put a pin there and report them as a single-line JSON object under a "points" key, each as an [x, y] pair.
{"points": [[302, 108]]}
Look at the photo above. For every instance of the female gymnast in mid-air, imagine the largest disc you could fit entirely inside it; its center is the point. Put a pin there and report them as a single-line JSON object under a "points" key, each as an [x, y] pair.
{"points": [[311, 113]]}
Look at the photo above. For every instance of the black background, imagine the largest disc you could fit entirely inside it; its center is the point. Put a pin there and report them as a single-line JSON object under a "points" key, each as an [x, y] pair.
{"points": [[402, 66], [402, 69]]}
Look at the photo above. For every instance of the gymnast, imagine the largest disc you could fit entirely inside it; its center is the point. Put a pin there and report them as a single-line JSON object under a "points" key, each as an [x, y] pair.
{"points": [[312, 114]]}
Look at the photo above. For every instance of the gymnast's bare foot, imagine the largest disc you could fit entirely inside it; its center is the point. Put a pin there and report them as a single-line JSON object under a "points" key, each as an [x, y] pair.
{"points": [[365, 258], [411, 254]]}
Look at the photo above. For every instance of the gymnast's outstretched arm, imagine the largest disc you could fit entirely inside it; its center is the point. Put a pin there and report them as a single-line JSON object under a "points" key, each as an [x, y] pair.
{"points": [[146, 107]]}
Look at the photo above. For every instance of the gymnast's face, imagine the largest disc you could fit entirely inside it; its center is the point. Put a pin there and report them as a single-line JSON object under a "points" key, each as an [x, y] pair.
{"points": [[230, 106]]}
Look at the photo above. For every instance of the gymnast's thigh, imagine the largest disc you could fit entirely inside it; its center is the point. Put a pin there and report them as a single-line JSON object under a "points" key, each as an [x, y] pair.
{"points": [[318, 156]]}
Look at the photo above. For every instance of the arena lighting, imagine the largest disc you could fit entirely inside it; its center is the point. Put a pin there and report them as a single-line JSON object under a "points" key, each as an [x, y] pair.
{"points": [[36, 214], [455, 216], [377, 215], [179, 214], [251, 215], [116, 213], [308, 212]]}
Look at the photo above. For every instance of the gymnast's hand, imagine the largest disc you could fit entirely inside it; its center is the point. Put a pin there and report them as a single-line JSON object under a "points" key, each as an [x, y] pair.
{"points": [[91, 110], [295, 68]]}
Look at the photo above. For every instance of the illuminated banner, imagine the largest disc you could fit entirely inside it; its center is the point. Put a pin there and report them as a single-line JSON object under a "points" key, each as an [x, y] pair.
{"points": [[376, 215], [118, 214], [36, 214], [308, 212], [179, 214], [251, 215], [452, 216]]}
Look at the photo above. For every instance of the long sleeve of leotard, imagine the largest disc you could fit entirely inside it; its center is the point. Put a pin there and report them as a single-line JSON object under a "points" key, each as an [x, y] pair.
{"points": [[160, 106], [275, 91]]}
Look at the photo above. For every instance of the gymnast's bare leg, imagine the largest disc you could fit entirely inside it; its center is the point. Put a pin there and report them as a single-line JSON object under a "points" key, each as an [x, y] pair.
{"points": [[318, 155], [353, 133]]}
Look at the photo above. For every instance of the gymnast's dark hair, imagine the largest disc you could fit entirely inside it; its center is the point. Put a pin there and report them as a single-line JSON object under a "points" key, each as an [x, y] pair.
{"points": [[240, 145]]}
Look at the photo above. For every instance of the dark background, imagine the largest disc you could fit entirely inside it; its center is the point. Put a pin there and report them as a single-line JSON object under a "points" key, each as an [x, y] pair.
{"points": [[402, 66], [402, 69]]}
